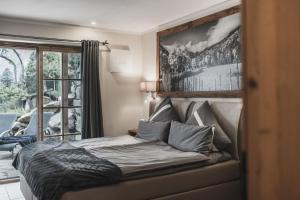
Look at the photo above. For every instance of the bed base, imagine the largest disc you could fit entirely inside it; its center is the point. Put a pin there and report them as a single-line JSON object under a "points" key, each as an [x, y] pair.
{"points": [[226, 191], [216, 182]]}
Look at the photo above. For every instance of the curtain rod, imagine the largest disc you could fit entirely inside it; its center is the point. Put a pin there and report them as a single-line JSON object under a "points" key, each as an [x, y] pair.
{"points": [[105, 43]]}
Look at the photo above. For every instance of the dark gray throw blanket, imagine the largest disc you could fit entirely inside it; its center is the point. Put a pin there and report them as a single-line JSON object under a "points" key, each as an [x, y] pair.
{"points": [[53, 168]]}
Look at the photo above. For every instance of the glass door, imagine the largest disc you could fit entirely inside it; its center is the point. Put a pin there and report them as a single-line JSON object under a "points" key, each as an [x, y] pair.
{"points": [[40, 96], [61, 109]]}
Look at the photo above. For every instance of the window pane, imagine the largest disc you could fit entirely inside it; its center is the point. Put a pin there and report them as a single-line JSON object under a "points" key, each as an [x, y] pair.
{"points": [[52, 93], [74, 120], [74, 65], [52, 64], [52, 118], [74, 93], [17, 80]]}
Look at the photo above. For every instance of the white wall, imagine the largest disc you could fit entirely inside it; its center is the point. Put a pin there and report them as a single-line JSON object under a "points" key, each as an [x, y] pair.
{"points": [[122, 101], [149, 55]]}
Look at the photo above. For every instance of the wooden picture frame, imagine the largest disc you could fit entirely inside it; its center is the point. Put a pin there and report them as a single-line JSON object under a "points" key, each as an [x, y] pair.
{"points": [[188, 88]]}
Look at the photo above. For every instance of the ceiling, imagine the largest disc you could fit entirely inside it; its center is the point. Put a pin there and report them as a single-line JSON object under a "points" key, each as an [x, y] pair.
{"points": [[136, 16]]}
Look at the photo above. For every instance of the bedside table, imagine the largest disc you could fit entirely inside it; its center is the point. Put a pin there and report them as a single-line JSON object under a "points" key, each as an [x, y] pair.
{"points": [[132, 132]]}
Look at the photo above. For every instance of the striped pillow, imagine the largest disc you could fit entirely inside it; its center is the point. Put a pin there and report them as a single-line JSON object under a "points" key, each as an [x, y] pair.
{"points": [[165, 112], [204, 116]]}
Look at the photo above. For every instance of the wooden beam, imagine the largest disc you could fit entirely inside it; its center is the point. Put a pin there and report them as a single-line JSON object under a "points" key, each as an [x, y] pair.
{"points": [[65, 87], [271, 45], [40, 93]]}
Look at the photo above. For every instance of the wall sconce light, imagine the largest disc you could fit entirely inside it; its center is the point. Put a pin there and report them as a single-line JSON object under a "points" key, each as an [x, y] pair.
{"points": [[149, 87]]}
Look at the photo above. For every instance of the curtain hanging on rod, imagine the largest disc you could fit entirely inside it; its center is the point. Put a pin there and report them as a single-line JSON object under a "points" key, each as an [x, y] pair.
{"points": [[92, 122]]}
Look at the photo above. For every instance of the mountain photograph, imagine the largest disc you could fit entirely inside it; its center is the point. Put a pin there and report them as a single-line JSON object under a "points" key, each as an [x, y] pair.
{"points": [[206, 57]]}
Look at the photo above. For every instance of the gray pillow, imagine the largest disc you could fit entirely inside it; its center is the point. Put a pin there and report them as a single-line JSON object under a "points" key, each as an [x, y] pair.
{"points": [[153, 130], [204, 116], [191, 138], [165, 112]]}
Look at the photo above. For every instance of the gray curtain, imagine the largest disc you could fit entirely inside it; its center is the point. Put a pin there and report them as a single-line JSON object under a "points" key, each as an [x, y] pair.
{"points": [[92, 123]]}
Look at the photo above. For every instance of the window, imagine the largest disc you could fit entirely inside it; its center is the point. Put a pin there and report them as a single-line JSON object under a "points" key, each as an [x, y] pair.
{"points": [[61, 95], [17, 81], [42, 80]]}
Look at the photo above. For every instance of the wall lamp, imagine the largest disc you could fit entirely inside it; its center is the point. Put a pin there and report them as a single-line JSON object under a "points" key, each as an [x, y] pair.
{"points": [[149, 87]]}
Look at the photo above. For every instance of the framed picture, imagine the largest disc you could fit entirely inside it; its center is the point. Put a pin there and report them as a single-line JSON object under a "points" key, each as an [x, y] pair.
{"points": [[201, 58]]}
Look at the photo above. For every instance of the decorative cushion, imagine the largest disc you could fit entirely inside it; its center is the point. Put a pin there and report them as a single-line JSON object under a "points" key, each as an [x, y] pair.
{"points": [[153, 130], [165, 112], [181, 107], [191, 137], [204, 116]]}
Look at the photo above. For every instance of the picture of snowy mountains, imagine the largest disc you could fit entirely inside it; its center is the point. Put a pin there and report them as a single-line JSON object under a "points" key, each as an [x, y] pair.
{"points": [[206, 57]]}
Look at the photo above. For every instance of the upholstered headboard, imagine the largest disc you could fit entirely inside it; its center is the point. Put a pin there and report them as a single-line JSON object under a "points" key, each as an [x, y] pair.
{"points": [[228, 112]]}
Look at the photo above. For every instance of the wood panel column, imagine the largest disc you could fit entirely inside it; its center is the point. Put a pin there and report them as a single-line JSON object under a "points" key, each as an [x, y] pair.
{"points": [[271, 42]]}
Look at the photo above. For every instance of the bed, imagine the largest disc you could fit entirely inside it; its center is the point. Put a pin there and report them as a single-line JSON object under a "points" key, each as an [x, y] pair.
{"points": [[172, 174]]}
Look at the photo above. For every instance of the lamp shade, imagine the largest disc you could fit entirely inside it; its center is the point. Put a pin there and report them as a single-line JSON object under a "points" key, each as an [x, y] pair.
{"points": [[148, 86]]}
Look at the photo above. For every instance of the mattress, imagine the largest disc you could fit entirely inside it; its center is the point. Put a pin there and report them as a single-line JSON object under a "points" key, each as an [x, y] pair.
{"points": [[138, 158]]}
